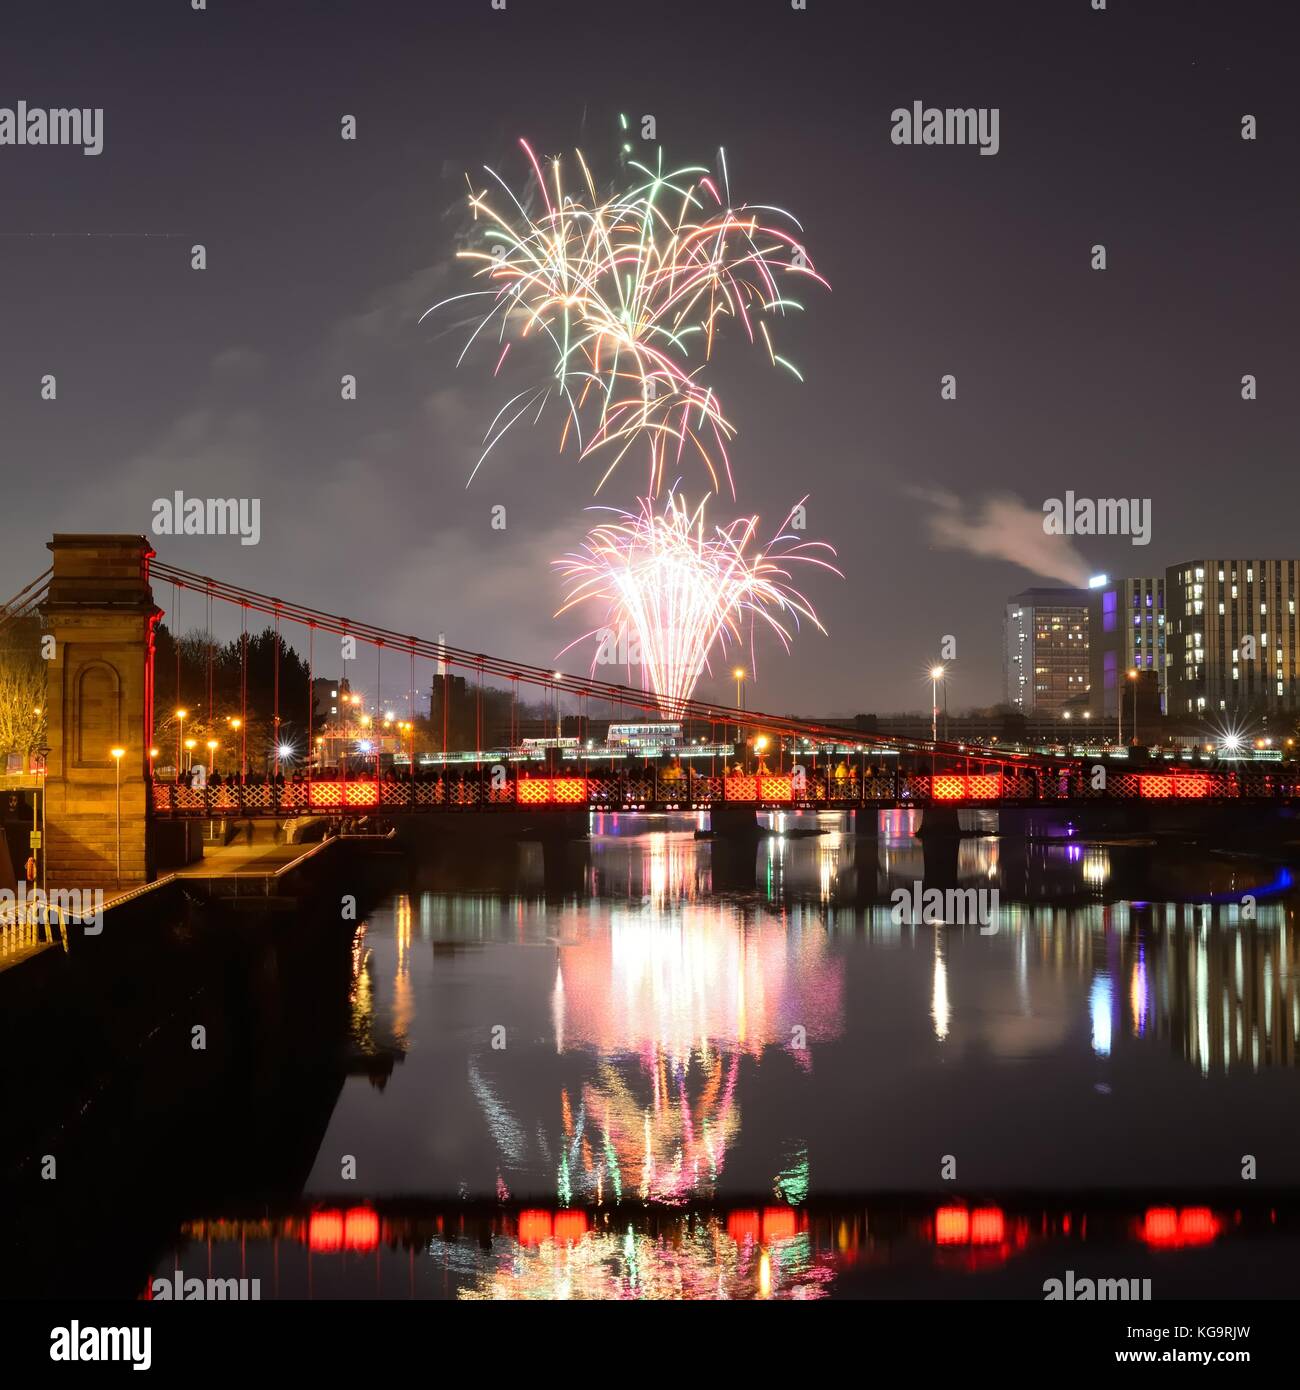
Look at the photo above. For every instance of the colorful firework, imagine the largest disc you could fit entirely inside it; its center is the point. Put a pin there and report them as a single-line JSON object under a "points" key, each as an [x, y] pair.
{"points": [[673, 589], [628, 294]]}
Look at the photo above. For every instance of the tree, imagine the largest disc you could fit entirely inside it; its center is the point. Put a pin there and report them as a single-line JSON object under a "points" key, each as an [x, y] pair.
{"points": [[24, 726]]}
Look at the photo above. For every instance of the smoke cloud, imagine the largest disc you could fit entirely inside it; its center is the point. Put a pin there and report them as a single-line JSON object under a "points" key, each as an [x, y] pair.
{"points": [[1002, 527]]}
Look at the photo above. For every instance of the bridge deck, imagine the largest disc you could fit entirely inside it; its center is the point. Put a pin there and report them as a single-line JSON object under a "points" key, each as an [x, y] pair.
{"points": [[506, 789]]}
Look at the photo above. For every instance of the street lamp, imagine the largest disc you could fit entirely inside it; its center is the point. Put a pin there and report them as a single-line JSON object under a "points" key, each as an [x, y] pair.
{"points": [[117, 755], [180, 734], [1133, 676], [936, 675], [212, 756]]}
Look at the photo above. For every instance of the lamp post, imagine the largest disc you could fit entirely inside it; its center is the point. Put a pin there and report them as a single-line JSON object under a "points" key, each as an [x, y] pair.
{"points": [[238, 726], [936, 675], [1066, 715], [180, 734], [117, 754], [43, 753], [212, 756], [738, 675], [190, 745], [1133, 676]]}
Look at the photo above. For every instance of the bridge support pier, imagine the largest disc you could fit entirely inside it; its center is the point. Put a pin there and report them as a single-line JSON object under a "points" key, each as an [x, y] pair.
{"points": [[940, 836], [734, 822], [101, 614]]}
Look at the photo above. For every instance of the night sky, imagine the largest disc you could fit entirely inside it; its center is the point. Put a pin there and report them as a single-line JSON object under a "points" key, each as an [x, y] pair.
{"points": [[222, 128]]}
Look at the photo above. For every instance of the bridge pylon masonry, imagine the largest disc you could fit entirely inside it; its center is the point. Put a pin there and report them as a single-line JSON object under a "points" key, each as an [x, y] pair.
{"points": [[101, 614]]}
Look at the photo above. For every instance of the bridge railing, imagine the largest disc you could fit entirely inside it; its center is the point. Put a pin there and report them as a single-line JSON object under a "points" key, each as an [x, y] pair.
{"points": [[688, 790]]}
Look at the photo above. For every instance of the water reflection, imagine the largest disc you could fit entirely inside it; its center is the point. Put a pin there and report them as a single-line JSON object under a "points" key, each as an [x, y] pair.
{"points": [[757, 1252], [619, 1079], [642, 1037]]}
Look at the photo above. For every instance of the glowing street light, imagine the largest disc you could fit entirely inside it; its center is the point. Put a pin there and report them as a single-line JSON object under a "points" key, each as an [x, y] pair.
{"points": [[237, 726], [936, 675], [180, 734], [738, 675], [1133, 676], [212, 755]]}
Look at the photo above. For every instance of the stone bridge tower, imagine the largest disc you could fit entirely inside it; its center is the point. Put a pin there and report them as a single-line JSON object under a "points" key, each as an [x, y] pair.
{"points": [[101, 615]]}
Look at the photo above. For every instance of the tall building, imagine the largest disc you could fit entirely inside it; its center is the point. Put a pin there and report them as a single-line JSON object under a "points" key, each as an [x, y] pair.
{"points": [[1045, 648], [1232, 637], [1126, 632]]}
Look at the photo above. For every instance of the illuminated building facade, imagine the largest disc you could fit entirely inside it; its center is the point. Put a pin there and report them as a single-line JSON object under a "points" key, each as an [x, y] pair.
{"points": [[1233, 636], [1045, 648], [1126, 632]]}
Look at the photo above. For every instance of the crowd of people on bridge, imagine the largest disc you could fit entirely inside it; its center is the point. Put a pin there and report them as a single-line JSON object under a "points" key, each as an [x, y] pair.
{"points": [[844, 778]]}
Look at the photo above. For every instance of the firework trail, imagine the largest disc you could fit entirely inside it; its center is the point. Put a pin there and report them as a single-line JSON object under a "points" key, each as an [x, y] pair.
{"points": [[675, 587], [627, 295]]}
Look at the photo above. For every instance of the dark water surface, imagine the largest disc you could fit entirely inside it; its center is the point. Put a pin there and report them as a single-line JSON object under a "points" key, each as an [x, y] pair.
{"points": [[654, 1066]]}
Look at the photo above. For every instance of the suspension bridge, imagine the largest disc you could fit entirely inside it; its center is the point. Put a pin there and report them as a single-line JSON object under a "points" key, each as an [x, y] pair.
{"points": [[97, 603]]}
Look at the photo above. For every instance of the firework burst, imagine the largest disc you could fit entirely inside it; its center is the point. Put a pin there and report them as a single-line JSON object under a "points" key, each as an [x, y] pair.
{"points": [[627, 294], [674, 589]]}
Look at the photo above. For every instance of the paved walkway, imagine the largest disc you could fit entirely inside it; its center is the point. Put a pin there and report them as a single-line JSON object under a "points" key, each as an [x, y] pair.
{"points": [[261, 859], [237, 860]]}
